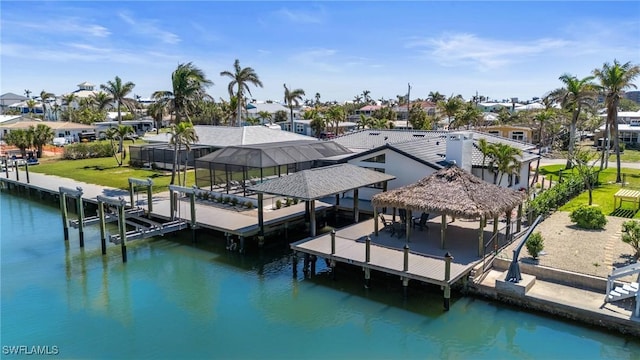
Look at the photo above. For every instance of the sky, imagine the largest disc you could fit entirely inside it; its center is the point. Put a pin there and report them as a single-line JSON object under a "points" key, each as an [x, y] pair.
{"points": [[338, 49]]}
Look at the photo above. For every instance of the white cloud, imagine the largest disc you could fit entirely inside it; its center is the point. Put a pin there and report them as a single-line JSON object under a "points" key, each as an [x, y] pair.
{"points": [[486, 54], [316, 16], [149, 28], [318, 59], [64, 25]]}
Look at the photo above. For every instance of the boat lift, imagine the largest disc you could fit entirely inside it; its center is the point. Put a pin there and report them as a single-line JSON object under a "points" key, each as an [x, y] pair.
{"points": [[77, 195]]}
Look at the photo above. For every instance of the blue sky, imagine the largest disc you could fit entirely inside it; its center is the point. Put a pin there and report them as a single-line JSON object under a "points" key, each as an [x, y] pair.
{"points": [[338, 49]]}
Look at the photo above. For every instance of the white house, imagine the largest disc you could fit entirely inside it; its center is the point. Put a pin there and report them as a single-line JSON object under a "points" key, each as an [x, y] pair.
{"points": [[65, 129]]}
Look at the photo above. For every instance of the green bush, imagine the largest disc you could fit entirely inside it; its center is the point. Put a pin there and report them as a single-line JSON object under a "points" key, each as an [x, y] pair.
{"points": [[535, 244], [278, 204], [556, 196], [289, 202], [219, 199], [295, 201], [631, 235], [87, 150], [234, 201], [589, 217], [226, 200], [248, 204]]}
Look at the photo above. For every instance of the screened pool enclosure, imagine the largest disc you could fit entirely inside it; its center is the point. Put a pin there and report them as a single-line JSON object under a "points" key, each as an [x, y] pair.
{"points": [[160, 156]]}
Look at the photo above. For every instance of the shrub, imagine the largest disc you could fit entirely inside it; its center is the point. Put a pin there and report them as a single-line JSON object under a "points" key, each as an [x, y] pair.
{"points": [[535, 244], [226, 200], [278, 204], [219, 199], [234, 201], [289, 202], [589, 217], [248, 204], [631, 235], [557, 196], [295, 201]]}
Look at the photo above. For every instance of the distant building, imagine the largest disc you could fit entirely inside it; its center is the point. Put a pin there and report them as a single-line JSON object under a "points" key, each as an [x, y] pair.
{"points": [[518, 133], [633, 96], [8, 99]]}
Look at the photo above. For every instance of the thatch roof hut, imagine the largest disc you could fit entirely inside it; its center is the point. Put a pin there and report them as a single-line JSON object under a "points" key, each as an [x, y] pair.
{"points": [[454, 192]]}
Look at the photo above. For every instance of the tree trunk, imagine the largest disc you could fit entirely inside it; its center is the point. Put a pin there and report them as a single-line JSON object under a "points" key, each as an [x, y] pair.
{"points": [[616, 144], [572, 138], [605, 141], [175, 164]]}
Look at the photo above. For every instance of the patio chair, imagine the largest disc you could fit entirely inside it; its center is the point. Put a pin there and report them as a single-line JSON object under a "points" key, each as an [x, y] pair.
{"points": [[421, 222], [388, 225]]}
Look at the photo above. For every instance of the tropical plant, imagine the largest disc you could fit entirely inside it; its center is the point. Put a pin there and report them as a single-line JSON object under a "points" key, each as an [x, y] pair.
{"points": [[503, 159], [615, 78], [335, 115], [366, 95], [20, 138], [188, 83], [44, 97], [265, 115], [118, 92], [41, 135], [584, 162], [31, 104], [292, 98], [418, 118], [588, 217], [468, 116], [102, 101], [631, 235], [157, 111], [120, 133], [575, 95], [240, 79], [435, 97], [183, 135], [484, 148], [535, 244], [450, 106]]}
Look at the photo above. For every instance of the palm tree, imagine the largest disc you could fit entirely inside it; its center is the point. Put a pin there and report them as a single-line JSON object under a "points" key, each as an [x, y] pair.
{"points": [[41, 135], [317, 97], [120, 133], [241, 78], [576, 94], [613, 80], [31, 104], [335, 115], [435, 97], [156, 111], [102, 101], [366, 97], [265, 115], [44, 97], [68, 100], [20, 138], [450, 106], [292, 98], [118, 92], [182, 135], [188, 82], [484, 148], [503, 159]]}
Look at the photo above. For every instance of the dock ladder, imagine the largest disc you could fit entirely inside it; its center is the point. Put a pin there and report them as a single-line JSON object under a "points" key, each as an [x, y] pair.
{"points": [[627, 290]]}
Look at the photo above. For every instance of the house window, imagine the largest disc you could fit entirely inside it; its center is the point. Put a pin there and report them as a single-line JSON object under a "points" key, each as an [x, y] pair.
{"points": [[376, 159], [517, 135], [300, 128], [494, 132]]}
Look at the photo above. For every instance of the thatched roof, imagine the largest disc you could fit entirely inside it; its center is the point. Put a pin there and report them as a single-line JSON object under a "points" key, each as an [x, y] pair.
{"points": [[452, 191], [321, 182]]}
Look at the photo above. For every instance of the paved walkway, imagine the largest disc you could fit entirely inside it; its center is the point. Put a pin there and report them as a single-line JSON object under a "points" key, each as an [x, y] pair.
{"points": [[612, 164]]}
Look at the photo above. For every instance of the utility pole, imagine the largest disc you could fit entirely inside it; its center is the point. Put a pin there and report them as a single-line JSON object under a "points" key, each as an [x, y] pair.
{"points": [[408, 100]]}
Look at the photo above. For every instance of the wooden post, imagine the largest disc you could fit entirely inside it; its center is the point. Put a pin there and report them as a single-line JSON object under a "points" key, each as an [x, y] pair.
{"points": [[80, 217], [103, 240], [405, 266], [519, 220], [443, 231], [447, 276], [312, 220], [26, 169], [15, 166], [333, 242], [172, 204], [149, 197], [407, 225], [241, 244], [131, 197], [481, 237], [356, 211], [337, 200], [63, 209], [375, 221], [367, 259], [507, 230], [261, 214], [294, 263]]}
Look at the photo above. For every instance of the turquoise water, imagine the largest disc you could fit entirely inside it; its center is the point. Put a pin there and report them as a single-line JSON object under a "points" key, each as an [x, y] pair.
{"points": [[176, 300]]}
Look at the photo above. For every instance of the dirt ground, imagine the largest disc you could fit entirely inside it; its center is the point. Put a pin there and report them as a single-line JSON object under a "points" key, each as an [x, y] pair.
{"points": [[567, 247]]}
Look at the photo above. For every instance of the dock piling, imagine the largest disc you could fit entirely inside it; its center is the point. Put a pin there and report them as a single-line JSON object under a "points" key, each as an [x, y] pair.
{"points": [[333, 242], [103, 232], [294, 264], [447, 276]]}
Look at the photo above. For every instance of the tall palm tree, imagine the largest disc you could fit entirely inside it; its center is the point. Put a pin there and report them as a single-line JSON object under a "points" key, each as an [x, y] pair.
{"points": [[118, 92], [68, 100], [102, 101], [366, 96], [484, 148], [31, 104], [292, 98], [450, 106], [156, 111], [41, 135], [615, 78], [188, 83], [240, 79], [182, 134], [120, 133], [317, 97], [335, 115], [44, 97], [575, 95]]}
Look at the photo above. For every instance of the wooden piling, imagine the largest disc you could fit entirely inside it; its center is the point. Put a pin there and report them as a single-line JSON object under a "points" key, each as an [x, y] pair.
{"points": [[123, 230], [103, 230], [447, 276], [80, 218], [333, 242], [63, 209]]}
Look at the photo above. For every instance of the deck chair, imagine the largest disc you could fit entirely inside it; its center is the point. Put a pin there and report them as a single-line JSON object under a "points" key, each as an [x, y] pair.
{"points": [[388, 225], [421, 222]]}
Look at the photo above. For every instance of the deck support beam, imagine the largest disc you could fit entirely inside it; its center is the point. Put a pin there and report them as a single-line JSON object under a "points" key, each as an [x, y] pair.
{"points": [[77, 195], [519, 220], [103, 232], [120, 205], [356, 210], [481, 236], [443, 232], [375, 221], [312, 218], [261, 214]]}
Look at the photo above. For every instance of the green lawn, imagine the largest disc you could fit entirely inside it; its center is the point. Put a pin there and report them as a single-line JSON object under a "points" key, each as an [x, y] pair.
{"points": [[603, 194], [627, 156], [106, 172]]}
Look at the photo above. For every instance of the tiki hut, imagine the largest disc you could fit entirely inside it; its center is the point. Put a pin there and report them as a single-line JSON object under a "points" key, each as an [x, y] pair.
{"points": [[454, 192]]}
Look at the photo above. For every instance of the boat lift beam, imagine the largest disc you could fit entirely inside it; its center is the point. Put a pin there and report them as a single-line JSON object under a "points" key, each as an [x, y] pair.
{"points": [[77, 195], [120, 204], [133, 182]]}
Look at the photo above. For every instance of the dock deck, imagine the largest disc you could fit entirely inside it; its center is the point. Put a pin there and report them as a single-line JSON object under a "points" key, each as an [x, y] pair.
{"points": [[426, 258]]}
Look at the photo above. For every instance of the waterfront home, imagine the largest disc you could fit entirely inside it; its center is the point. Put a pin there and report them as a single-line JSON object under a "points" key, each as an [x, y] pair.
{"points": [[8, 99], [303, 127], [513, 132], [255, 108], [62, 129]]}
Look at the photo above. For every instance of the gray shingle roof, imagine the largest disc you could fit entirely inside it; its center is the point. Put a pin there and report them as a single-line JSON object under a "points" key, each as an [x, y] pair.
{"points": [[371, 139], [321, 182]]}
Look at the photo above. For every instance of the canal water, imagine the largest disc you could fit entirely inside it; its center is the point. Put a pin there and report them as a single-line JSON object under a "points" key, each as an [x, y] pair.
{"points": [[174, 299]]}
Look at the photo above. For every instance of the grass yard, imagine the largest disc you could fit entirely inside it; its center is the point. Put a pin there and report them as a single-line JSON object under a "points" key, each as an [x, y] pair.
{"points": [[603, 194], [106, 172]]}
